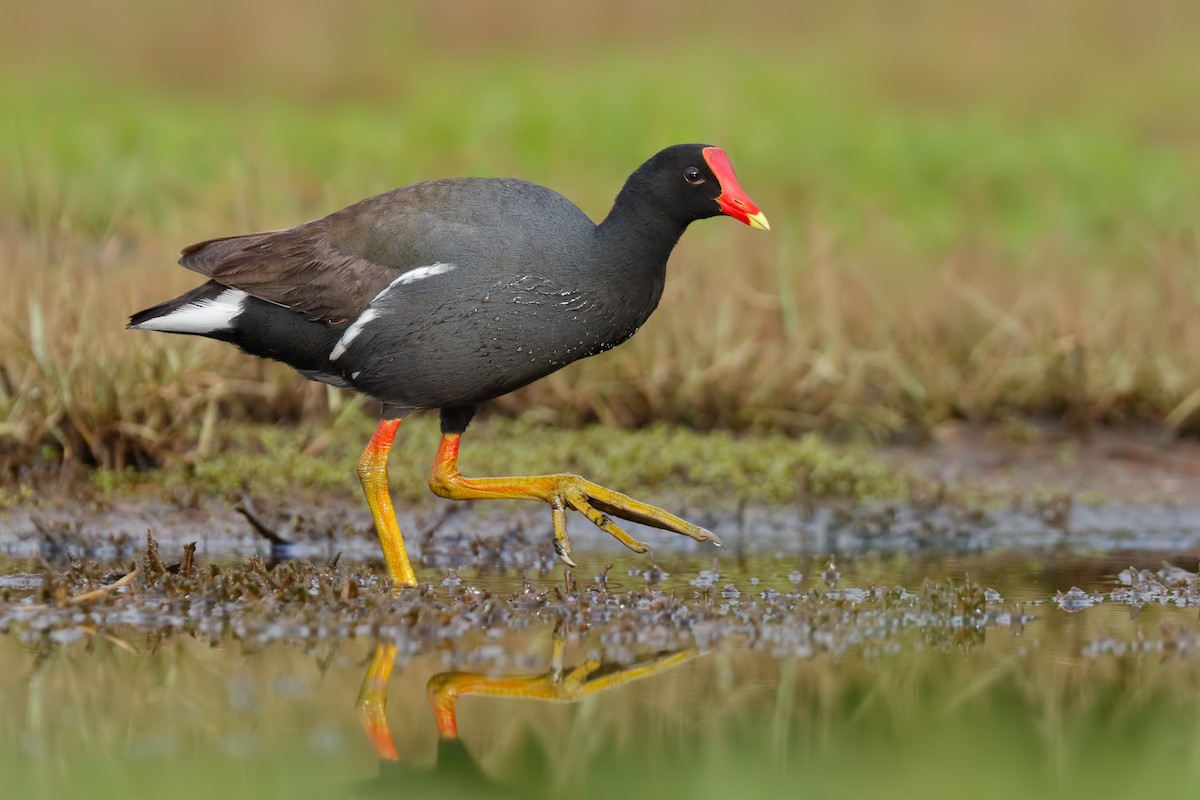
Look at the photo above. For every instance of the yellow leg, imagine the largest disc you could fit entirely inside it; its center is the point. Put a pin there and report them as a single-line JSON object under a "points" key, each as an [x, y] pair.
{"points": [[372, 472], [595, 502], [372, 701], [445, 688]]}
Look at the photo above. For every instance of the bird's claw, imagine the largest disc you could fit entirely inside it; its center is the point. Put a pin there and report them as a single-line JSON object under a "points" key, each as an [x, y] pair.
{"points": [[562, 545], [600, 505]]}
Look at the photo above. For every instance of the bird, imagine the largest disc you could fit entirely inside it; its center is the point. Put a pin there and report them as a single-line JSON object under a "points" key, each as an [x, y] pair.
{"points": [[448, 293]]}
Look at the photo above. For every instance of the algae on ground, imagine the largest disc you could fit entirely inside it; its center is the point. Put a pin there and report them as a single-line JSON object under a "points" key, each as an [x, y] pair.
{"points": [[658, 460]]}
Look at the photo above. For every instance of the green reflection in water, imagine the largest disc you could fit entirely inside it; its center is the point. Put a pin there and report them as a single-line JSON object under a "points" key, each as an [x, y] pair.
{"points": [[1023, 699]]}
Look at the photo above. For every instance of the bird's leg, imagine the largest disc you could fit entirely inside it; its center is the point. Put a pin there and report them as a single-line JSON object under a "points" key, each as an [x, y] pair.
{"points": [[372, 472], [372, 701], [445, 688], [595, 502]]}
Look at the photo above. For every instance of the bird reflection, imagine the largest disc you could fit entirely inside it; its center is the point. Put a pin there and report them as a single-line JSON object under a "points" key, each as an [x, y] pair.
{"points": [[558, 684]]}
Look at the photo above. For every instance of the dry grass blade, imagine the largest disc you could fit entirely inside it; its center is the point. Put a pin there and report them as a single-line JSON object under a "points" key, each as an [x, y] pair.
{"points": [[103, 590]]}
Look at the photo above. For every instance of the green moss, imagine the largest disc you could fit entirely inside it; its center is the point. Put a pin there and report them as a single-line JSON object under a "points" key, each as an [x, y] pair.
{"points": [[721, 466], [771, 468]]}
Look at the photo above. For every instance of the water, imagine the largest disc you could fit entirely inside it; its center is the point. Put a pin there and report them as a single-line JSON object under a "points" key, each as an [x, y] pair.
{"points": [[1018, 673]]}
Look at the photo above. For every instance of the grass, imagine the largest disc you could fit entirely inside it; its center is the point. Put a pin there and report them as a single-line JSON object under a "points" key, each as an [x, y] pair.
{"points": [[975, 216], [311, 459]]}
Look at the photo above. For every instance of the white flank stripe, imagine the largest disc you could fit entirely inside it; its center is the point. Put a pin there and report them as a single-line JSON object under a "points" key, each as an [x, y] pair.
{"points": [[353, 331], [371, 313], [413, 275], [355, 328], [206, 316], [423, 272]]}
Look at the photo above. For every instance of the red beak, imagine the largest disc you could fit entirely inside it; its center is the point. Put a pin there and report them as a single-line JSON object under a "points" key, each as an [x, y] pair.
{"points": [[733, 200]]}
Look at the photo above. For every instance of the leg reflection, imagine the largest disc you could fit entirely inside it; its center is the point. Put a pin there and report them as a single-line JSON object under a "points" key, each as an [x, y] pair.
{"points": [[559, 684], [372, 701]]}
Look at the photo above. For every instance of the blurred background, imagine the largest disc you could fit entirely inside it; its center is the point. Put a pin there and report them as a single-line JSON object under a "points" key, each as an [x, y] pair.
{"points": [[981, 212]]}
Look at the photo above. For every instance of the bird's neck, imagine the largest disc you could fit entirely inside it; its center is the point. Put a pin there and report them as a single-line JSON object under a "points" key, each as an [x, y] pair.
{"points": [[637, 231]]}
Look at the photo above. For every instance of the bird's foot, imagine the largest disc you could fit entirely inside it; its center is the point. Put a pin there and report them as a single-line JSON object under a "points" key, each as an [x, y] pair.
{"points": [[592, 500], [600, 505]]}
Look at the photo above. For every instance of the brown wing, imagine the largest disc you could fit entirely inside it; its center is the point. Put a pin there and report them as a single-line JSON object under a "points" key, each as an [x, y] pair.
{"points": [[331, 268], [298, 268]]}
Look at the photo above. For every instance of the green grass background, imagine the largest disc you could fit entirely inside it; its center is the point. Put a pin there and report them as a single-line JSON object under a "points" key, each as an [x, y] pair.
{"points": [[978, 212]]}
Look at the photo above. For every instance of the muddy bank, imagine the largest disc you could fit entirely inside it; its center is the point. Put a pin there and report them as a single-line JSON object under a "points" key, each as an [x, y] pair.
{"points": [[1130, 468], [516, 535], [968, 490]]}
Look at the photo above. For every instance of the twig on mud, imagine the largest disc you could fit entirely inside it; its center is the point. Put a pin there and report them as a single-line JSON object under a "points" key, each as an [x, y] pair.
{"points": [[425, 535], [247, 510], [103, 590], [151, 563], [189, 555]]}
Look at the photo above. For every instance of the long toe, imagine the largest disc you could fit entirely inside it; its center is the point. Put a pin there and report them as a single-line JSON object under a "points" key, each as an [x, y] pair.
{"points": [[627, 508], [576, 498]]}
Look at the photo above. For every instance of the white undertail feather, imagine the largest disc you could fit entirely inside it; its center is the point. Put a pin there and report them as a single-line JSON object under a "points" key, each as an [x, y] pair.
{"points": [[204, 316]]}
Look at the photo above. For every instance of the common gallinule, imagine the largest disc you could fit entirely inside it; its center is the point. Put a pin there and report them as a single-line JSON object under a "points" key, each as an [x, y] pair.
{"points": [[448, 293]]}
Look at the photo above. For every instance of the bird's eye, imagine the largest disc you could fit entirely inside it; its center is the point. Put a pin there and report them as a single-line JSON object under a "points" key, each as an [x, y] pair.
{"points": [[692, 175]]}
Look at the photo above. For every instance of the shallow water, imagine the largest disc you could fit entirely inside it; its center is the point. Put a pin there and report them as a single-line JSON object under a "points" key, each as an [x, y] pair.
{"points": [[1018, 672]]}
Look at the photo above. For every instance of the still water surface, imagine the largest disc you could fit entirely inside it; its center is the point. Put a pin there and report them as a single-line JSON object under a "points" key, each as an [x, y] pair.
{"points": [[1016, 674]]}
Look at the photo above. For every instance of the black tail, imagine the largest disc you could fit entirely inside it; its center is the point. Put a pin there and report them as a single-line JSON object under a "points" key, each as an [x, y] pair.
{"points": [[260, 328]]}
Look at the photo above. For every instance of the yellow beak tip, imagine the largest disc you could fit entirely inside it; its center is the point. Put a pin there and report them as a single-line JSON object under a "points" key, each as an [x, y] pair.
{"points": [[759, 222]]}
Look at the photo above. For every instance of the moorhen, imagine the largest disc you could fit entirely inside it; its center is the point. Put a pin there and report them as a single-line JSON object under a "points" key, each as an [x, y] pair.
{"points": [[449, 293]]}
